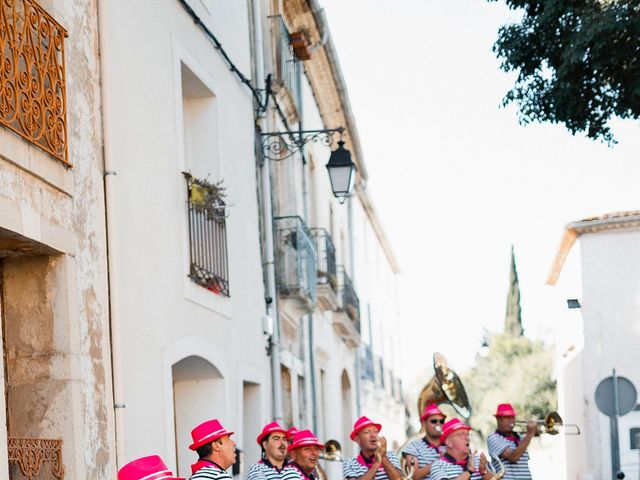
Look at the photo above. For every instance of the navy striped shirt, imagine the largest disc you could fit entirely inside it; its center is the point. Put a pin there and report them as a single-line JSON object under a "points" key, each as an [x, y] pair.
{"points": [[292, 471], [497, 444], [446, 468], [264, 470], [358, 466], [425, 452], [210, 472]]}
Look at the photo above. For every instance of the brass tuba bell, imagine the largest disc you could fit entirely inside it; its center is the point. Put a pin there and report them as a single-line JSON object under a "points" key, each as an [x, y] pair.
{"points": [[444, 387]]}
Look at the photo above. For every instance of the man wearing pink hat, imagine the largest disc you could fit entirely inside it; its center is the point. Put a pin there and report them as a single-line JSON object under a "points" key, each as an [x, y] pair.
{"points": [[458, 463], [273, 442], [423, 452], [374, 461], [304, 452], [216, 451], [146, 468], [509, 445]]}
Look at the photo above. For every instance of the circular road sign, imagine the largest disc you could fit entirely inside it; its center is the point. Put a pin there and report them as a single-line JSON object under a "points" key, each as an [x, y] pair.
{"points": [[627, 396]]}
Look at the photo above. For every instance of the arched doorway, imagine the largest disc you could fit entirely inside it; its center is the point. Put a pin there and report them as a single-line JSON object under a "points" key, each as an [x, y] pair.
{"points": [[198, 395]]}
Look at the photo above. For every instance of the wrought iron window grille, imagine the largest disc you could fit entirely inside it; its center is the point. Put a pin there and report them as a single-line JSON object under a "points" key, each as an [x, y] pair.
{"points": [[282, 145], [207, 213]]}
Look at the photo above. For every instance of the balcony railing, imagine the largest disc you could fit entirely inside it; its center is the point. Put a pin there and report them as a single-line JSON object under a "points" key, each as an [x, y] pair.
{"points": [[32, 76], [33, 458], [207, 238], [349, 301], [288, 66], [367, 371], [327, 271], [296, 259]]}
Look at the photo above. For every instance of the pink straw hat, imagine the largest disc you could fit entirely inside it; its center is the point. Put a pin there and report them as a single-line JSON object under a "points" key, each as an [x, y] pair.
{"points": [[451, 426], [291, 432], [363, 422], [269, 429], [207, 432], [431, 409], [505, 410], [304, 438], [146, 468]]}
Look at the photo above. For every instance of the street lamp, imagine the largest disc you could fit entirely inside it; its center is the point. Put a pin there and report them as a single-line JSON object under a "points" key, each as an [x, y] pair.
{"points": [[342, 172]]}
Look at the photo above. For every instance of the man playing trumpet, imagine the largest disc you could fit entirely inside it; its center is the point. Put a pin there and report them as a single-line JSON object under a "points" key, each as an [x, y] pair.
{"points": [[423, 452], [509, 445], [458, 463]]}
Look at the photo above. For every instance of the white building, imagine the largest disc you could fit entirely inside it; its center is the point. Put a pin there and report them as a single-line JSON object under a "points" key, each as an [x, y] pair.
{"points": [[604, 337]]}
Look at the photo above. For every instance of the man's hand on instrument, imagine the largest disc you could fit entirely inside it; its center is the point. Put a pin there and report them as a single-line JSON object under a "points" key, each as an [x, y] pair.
{"points": [[483, 463], [532, 427]]}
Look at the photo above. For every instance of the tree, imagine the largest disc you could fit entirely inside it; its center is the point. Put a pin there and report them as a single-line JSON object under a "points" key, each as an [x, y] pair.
{"points": [[513, 369], [578, 62]]}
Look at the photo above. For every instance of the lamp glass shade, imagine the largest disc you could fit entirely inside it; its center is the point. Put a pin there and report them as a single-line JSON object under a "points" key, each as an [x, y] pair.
{"points": [[342, 171]]}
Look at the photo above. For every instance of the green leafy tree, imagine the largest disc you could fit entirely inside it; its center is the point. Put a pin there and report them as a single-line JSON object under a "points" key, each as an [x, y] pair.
{"points": [[513, 369], [578, 62]]}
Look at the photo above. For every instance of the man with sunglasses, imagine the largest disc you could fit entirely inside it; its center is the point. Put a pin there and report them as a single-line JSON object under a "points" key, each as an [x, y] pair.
{"points": [[423, 452]]}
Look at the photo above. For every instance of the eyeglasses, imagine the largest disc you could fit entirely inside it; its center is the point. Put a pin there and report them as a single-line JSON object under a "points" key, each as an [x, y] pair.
{"points": [[436, 420]]}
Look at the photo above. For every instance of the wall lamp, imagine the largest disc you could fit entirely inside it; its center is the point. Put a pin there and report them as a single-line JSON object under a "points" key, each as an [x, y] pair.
{"points": [[342, 171]]}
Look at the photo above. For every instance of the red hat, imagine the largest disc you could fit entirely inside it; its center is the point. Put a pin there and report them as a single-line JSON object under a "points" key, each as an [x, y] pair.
{"points": [[269, 429], [431, 409], [505, 410], [291, 432], [207, 432], [146, 468], [361, 423], [304, 438], [451, 426]]}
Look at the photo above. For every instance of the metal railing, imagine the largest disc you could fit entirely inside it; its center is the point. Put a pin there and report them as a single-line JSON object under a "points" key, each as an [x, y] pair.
{"points": [[288, 66], [296, 258], [32, 78], [327, 270], [367, 371], [348, 297], [207, 239]]}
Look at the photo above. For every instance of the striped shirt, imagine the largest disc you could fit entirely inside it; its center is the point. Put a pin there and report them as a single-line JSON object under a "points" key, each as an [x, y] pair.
{"points": [[497, 444], [210, 472], [293, 471], [424, 451], [446, 468], [358, 466], [264, 470]]}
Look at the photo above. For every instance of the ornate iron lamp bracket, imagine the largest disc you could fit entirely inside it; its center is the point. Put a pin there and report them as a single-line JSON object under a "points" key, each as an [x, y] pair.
{"points": [[281, 145]]}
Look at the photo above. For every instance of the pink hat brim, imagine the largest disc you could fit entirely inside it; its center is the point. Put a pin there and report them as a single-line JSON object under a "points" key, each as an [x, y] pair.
{"points": [[305, 443], [361, 427], [205, 440], [262, 436]]}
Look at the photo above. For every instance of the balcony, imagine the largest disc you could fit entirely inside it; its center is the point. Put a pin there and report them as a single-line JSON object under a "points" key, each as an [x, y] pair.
{"points": [[288, 70], [32, 77], [326, 275], [346, 319], [295, 266]]}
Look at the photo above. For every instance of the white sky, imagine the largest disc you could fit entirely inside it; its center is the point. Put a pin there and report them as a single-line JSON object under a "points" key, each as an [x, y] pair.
{"points": [[456, 180]]}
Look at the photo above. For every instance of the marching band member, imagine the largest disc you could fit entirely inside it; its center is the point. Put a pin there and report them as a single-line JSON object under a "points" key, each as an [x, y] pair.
{"points": [[216, 451], [304, 452], [273, 442], [458, 463], [423, 452], [509, 445], [146, 468], [374, 461]]}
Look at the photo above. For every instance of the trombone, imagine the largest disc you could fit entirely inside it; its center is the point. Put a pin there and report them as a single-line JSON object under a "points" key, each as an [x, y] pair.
{"points": [[552, 425], [332, 451]]}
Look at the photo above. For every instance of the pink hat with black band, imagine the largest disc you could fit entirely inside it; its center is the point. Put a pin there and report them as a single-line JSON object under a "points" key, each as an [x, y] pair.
{"points": [[451, 426], [363, 422], [431, 409], [270, 428], [207, 432], [505, 410], [304, 438], [146, 468]]}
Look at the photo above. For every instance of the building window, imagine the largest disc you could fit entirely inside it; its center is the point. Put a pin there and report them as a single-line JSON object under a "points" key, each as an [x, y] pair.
{"points": [[32, 77], [207, 236]]}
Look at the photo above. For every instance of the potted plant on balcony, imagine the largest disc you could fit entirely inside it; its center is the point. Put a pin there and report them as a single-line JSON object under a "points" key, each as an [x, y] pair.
{"points": [[208, 197]]}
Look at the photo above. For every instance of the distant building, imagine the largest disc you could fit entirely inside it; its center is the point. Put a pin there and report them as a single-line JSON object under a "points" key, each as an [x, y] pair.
{"points": [[606, 337]]}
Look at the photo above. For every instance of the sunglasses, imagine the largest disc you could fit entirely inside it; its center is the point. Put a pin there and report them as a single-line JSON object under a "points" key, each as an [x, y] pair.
{"points": [[435, 420]]}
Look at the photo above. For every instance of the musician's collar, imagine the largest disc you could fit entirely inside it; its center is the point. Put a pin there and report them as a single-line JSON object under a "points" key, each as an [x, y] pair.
{"points": [[302, 471], [513, 436], [271, 465], [431, 442], [451, 459]]}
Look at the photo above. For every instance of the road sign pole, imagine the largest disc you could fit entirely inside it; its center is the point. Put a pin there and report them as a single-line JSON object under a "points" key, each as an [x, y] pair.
{"points": [[613, 422]]}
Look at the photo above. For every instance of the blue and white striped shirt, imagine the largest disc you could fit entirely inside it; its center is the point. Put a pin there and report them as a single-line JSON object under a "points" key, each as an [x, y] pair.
{"points": [[210, 473], [446, 468], [357, 466], [292, 471], [497, 444], [264, 470], [425, 452]]}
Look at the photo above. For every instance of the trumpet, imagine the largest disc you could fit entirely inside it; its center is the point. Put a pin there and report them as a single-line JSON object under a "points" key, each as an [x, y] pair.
{"points": [[552, 425]]}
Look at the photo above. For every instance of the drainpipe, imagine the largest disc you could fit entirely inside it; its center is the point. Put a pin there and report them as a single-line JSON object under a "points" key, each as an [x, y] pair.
{"points": [[267, 214], [112, 242]]}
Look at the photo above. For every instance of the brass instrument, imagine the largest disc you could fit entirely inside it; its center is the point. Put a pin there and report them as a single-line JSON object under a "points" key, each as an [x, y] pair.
{"points": [[552, 425], [332, 451]]}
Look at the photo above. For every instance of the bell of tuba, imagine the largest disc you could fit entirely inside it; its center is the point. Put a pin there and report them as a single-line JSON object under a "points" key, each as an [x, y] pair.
{"points": [[444, 387]]}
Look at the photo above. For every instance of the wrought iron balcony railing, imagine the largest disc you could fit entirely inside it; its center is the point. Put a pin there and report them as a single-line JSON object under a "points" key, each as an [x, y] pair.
{"points": [[367, 371], [32, 76], [327, 273], [207, 237], [349, 301], [288, 66], [296, 259]]}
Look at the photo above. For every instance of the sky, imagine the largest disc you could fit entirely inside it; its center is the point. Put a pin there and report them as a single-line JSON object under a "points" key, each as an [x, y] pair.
{"points": [[456, 180]]}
